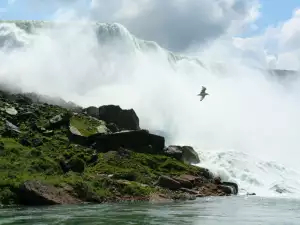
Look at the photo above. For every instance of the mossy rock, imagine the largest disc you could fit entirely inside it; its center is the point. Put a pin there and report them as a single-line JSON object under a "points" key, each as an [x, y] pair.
{"points": [[77, 164], [88, 125]]}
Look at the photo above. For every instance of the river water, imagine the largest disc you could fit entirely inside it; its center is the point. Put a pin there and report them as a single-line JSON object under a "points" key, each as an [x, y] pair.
{"points": [[205, 211]]}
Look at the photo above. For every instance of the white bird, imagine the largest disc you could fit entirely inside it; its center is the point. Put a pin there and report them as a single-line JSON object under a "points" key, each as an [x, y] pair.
{"points": [[202, 93]]}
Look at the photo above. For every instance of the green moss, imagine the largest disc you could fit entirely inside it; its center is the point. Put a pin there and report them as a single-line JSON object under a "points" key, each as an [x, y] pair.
{"points": [[40, 150], [77, 164], [88, 126]]}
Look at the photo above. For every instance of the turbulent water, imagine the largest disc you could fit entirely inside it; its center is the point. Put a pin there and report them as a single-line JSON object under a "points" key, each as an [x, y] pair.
{"points": [[208, 211], [246, 130]]}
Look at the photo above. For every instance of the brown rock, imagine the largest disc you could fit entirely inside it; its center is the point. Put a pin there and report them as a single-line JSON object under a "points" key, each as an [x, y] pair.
{"points": [[184, 183], [159, 198], [169, 183], [189, 191], [37, 193]]}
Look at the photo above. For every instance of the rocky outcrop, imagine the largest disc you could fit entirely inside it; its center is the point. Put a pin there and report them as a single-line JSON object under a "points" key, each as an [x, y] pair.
{"points": [[184, 153], [125, 119], [136, 140], [37, 193], [197, 186], [98, 156], [167, 182]]}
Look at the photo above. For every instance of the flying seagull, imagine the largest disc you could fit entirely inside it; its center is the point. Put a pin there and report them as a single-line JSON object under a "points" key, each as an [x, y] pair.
{"points": [[202, 93]]}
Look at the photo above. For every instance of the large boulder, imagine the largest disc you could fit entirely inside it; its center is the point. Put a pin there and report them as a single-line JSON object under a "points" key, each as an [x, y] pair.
{"points": [[125, 119], [92, 111], [233, 187], [36, 193], [183, 153], [59, 120], [137, 140], [168, 182]]}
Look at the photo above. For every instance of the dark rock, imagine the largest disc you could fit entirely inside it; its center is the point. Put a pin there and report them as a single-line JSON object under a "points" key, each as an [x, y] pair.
{"points": [[93, 159], [92, 111], [36, 193], [76, 164], [11, 130], [123, 118], [36, 142], [167, 182], [59, 121], [134, 140], [184, 197], [183, 153], [184, 183], [26, 116], [227, 189], [25, 142], [64, 166], [112, 127], [250, 193], [79, 139], [234, 187]]}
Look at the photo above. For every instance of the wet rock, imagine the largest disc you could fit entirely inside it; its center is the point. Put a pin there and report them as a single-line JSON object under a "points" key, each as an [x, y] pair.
{"points": [[123, 118], [36, 193], [184, 153], [227, 189], [159, 198], [184, 197], [250, 193], [60, 120], [168, 182], [233, 186], [134, 140]]}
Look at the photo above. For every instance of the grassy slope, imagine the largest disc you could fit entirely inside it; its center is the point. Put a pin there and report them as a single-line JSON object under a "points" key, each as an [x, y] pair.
{"points": [[36, 154]]}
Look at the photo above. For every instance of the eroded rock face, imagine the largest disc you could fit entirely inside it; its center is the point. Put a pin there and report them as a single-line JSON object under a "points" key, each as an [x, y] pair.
{"points": [[124, 118], [136, 140], [168, 182], [184, 153], [37, 193]]}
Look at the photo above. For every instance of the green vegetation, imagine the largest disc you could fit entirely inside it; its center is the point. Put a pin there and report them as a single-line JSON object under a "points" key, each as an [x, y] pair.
{"points": [[41, 150]]}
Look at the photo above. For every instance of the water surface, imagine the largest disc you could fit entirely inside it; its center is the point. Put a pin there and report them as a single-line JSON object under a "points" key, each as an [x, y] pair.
{"points": [[206, 211]]}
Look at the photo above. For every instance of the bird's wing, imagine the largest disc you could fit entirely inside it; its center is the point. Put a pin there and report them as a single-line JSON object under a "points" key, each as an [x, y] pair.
{"points": [[202, 97], [203, 89]]}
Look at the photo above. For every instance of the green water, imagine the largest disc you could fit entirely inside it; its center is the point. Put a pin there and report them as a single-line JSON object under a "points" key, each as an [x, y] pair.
{"points": [[206, 211]]}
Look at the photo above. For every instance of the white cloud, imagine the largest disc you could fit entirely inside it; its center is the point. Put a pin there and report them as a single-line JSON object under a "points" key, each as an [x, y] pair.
{"points": [[278, 46], [177, 24]]}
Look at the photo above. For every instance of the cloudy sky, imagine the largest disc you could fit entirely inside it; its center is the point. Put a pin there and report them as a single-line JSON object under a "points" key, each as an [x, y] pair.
{"points": [[266, 28]]}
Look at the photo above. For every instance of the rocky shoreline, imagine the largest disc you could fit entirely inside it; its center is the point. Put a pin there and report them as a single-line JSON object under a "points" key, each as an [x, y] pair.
{"points": [[52, 154]]}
